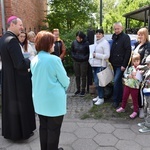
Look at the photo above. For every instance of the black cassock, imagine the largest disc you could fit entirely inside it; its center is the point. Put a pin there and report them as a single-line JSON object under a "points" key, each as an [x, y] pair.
{"points": [[18, 117]]}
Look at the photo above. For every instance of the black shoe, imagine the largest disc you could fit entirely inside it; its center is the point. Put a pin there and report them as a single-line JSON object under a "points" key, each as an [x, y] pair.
{"points": [[82, 93], [115, 105], [32, 133], [60, 148], [77, 92]]}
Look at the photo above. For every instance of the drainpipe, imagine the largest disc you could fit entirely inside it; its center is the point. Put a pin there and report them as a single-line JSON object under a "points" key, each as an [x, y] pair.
{"points": [[3, 16]]}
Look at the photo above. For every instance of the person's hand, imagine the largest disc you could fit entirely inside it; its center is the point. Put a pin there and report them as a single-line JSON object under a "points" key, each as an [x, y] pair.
{"points": [[94, 55], [133, 73], [129, 76], [123, 68]]}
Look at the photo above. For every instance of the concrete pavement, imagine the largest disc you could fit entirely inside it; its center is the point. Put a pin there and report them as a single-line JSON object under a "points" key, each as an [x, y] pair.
{"points": [[89, 134]]}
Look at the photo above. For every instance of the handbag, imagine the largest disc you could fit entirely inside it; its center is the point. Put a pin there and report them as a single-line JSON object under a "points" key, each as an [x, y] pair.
{"points": [[106, 76]]}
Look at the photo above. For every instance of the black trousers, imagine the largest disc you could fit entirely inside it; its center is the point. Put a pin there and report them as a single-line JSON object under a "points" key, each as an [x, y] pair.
{"points": [[49, 132]]}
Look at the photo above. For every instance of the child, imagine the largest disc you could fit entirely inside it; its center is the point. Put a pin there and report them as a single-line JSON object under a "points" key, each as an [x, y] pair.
{"points": [[131, 86], [146, 91]]}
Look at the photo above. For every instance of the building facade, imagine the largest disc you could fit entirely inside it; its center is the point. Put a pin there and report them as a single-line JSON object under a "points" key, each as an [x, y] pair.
{"points": [[32, 13]]}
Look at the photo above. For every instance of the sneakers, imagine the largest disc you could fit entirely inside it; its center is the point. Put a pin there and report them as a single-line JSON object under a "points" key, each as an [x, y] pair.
{"points": [[82, 93], [133, 115], [141, 113], [77, 92], [95, 99], [119, 110], [144, 129], [142, 124], [99, 101]]}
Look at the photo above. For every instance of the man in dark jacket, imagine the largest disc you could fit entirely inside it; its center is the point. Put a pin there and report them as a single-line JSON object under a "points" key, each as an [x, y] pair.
{"points": [[18, 117], [119, 58]]}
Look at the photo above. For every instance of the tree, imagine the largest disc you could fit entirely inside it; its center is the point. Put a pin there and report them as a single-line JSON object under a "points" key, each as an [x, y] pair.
{"points": [[116, 9], [68, 14]]}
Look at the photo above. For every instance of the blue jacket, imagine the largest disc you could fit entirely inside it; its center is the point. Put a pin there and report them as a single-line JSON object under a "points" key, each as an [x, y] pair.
{"points": [[49, 85]]}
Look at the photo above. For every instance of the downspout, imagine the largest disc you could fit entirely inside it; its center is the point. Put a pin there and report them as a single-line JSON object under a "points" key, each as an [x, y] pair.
{"points": [[3, 17]]}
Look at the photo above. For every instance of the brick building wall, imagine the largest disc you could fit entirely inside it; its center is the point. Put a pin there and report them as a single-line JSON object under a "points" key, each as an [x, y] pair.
{"points": [[32, 12]]}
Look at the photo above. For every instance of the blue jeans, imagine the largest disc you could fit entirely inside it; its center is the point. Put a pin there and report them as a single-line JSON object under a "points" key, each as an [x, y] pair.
{"points": [[100, 90], [118, 87]]}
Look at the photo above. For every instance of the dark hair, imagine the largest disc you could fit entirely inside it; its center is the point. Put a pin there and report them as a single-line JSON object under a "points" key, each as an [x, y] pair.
{"points": [[25, 42], [100, 31], [80, 34], [44, 41]]}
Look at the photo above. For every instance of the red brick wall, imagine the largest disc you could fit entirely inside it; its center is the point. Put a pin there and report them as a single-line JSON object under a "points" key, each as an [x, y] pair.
{"points": [[32, 12]]}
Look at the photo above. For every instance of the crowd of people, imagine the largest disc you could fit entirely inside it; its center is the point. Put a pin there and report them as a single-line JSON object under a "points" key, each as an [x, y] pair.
{"points": [[33, 74]]}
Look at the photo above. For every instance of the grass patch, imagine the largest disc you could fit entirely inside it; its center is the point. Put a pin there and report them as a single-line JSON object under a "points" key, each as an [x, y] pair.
{"points": [[106, 111]]}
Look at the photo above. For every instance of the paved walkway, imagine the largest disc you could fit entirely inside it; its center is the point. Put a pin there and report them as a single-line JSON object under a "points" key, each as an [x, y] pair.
{"points": [[89, 134]]}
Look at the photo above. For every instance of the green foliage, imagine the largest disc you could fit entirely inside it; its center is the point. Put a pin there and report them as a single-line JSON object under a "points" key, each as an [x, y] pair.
{"points": [[114, 10], [67, 14]]}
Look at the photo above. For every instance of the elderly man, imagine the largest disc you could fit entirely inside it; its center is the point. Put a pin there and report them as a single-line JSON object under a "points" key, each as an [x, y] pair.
{"points": [[119, 58], [18, 117]]}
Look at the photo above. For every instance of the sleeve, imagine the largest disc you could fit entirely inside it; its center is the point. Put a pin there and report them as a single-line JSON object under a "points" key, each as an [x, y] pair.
{"points": [[16, 55], [62, 74], [106, 51], [63, 50]]}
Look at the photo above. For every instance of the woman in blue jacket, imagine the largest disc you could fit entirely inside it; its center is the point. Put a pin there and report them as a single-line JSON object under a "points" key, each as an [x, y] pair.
{"points": [[50, 82]]}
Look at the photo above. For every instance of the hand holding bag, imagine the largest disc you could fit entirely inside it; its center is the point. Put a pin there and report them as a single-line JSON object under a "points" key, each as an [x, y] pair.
{"points": [[106, 76]]}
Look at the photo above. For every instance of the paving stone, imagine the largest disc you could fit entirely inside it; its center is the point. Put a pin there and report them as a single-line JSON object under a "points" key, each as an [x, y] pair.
{"points": [[84, 144], [121, 126], [128, 145], [124, 134], [84, 124], [143, 140], [104, 128], [67, 138], [85, 132], [69, 126], [19, 147], [106, 148], [105, 140]]}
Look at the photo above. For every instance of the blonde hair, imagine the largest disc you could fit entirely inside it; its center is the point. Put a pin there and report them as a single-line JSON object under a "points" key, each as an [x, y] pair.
{"points": [[30, 34], [135, 56], [144, 31]]}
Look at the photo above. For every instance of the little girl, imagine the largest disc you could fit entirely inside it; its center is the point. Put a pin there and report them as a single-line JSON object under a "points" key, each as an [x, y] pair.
{"points": [[131, 86]]}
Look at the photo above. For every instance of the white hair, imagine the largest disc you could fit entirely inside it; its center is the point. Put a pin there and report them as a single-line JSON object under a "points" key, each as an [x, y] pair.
{"points": [[118, 23]]}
